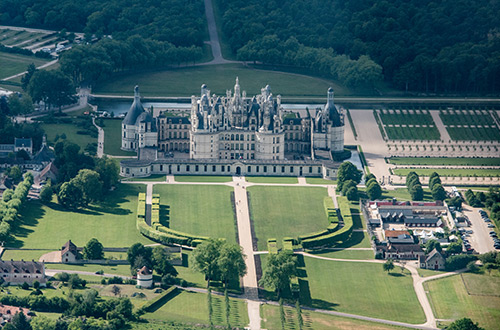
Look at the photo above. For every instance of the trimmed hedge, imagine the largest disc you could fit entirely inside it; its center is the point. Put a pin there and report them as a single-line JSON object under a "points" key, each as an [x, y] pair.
{"points": [[181, 234], [272, 246], [160, 300], [287, 245], [158, 236]]}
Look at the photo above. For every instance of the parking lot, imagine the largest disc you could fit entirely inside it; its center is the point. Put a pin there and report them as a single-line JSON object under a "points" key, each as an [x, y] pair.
{"points": [[480, 239]]}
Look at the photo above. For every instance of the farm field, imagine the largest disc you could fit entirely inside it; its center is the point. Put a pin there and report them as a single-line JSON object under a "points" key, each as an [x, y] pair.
{"points": [[448, 171], [314, 321], [279, 212], [112, 138], [204, 210], [444, 161], [393, 293], [450, 300], [113, 223], [218, 78], [191, 307], [53, 130], [16, 63]]}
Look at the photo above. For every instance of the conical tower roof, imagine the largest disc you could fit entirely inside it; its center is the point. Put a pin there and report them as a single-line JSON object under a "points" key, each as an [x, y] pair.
{"points": [[135, 110]]}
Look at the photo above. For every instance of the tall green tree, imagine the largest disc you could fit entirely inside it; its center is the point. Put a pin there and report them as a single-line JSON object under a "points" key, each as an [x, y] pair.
{"points": [[438, 192], [206, 259], [161, 261], [348, 171], [388, 265], [89, 182], [93, 250], [279, 271], [54, 88], [464, 324], [25, 80], [70, 195]]}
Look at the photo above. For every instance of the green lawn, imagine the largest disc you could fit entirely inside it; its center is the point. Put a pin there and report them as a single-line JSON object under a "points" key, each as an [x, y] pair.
{"points": [[113, 138], [320, 181], [16, 63], [195, 178], [191, 307], [272, 179], [279, 212], [49, 227], [362, 288], [450, 300], [24, 254], [444, 161], [70, 130], [204, 210], [412, 133], [345, 254], [448, 171], [428, 272], [314, 321], [117, 269], [218, 78], [151, 178]]}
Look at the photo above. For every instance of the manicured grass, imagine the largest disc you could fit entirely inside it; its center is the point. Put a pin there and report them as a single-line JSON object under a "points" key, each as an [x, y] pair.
{"points": [[362, 288], [113, 138], [320, 181], [272, 179], [204, 210], [218, 78], [49, 227], [126, 290], [448, 171], [412, 133], [402, 194], [195, 178], [474, 133], [400, 118], [313, 320], [279, 212], [444, 161], [191, 307], [151, 178], [117, 269], [70, 130], [14, 88], [450, 300], [477, 284], [345, 254], [465, 118], [428, 272], [15, 63], [24, 254]]}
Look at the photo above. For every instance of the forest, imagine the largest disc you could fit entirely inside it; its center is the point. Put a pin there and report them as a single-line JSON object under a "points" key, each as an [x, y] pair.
{"points": [[449, 46]]}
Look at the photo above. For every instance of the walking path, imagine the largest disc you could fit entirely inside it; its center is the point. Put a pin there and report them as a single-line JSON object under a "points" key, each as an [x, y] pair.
{"points": [[149, 202], [440, 126], [100, 139], [214, 36], [246, 241], [38, 67]]}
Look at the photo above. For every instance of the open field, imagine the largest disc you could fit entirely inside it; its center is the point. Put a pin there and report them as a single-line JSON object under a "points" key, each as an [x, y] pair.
{"points": [[191, 307], [448, 171], [196, 178], [444, 161], [271, 179], [346, 254], [474, 133], [151, 178], [117, 269], [376, 293], [24, 254], [320, 181], [218, 78], [428, 272], [204, 210], [49, 227], [279, 212], [314, 321], [51, 130], [112, 138], [12, 37], [450, 300], [16, 63]]}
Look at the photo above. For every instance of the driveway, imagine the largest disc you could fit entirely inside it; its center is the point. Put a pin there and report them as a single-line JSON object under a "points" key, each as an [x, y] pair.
{"points": [[480, 238]]}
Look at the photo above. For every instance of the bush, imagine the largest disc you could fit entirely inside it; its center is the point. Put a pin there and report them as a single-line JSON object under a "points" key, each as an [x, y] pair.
{"points": [[459, 261]]}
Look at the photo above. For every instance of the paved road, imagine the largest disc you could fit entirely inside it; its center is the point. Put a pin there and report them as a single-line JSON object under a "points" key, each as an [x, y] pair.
{"points": [[245, 239], [100, 139], [214, 36]]}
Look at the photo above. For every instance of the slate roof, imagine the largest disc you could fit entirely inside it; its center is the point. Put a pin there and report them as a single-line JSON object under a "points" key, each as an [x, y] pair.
{"points": [[11, 267], [433, 253], [44, 155], [135, 110], [145, 271], [23, 143], [69, 247]]}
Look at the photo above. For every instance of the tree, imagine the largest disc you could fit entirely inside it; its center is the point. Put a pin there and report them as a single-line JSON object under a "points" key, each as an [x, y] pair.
{"points": [[161, 261], [93, 250], [206, 258], [438, 192], [115, 290], [388, 265], [280, 269], [454, 248], [348, 171], [431, 245], [434, 178], [88, 181], [373, 190], [46, 193], [63, 277], [43, 323], [70, 195], [348, 184], [15, 173], [25, 80], [52, 87], [139, 256], [352, 194], [416, 192], [108, 171], [20, 322], [231, 262], [20, 105], [464, 324]]}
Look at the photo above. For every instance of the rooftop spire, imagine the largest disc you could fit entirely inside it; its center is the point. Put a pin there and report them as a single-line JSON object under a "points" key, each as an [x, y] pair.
{"points": [[136, 92]]}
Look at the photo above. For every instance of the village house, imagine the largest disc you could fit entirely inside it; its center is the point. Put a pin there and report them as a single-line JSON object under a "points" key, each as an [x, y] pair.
{"points": [[69, 252], [7, 313], [19, 272], [433, 260]]}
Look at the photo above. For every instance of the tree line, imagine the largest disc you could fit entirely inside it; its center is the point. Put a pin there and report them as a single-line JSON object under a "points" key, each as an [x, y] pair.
{"points": [[422, 46]]}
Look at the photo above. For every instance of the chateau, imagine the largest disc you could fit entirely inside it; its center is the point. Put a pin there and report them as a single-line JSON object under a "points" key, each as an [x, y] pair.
{"points": [[221, 131]]}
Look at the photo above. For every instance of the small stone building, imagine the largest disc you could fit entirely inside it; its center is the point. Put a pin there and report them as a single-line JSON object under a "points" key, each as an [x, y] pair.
{"points": [[69, 252], [145, 278], [433, 260]]}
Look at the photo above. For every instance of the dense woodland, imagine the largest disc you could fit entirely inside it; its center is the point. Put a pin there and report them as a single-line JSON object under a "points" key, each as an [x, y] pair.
{"points": [[422, 45]]}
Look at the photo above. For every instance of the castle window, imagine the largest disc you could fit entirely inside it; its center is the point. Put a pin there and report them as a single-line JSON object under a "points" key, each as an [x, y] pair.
{"points": [[178, 168], [187, 168], [196, 168], [265, 169], [241, 146], [124, 134], [205, 169], [249, 169], [257, 169], [242, 138], [277, 149], [161, 168], [222, 167], [291, 169], [229, 168], [278, 139], [282, 169], [232, 137], [213, 168], [274, 169], [253, 137], [310, 169]]}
